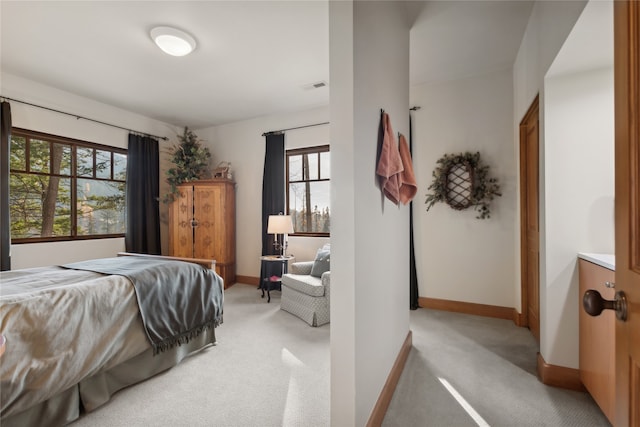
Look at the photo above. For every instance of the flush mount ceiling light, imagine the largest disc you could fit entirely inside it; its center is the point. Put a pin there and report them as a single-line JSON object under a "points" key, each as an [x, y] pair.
{"points": [[173, 41]]}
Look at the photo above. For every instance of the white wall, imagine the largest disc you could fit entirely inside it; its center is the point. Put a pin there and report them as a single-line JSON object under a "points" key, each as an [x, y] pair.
{"points": [[549, 26], [369, 57], [240, 143], [32, 118], [243, 145], [459, 257], [579, 161]]}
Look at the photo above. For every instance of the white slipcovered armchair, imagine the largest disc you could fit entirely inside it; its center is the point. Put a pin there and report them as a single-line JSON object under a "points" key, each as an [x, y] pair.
{"points": [[306, 289]]}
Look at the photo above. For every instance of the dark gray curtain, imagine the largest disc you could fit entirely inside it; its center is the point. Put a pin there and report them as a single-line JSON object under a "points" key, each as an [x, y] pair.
{"points": [[273, 192], [413, 276], [143, 212], [273, 196], [5, 215]]}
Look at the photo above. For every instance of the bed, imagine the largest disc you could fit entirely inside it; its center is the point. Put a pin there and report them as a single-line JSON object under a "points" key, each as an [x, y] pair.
{"points": [[76, 334]]}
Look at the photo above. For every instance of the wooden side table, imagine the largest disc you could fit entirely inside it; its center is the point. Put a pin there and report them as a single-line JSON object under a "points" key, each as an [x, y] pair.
{"points": [[267, 282]]}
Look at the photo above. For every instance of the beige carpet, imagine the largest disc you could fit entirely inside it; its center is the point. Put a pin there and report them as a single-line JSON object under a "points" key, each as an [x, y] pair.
{"points": [[491, 364], [271, 369], [268, 369]]}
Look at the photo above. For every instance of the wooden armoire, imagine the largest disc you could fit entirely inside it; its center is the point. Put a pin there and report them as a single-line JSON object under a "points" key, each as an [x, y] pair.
{"points": [[202, 224]]}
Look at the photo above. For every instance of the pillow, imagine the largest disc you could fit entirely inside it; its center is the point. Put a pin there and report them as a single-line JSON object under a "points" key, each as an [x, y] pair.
{"points": [[321, 263]]}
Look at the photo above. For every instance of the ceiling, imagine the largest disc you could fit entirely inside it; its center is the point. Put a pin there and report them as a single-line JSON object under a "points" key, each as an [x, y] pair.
{"points": [[253, 58]]}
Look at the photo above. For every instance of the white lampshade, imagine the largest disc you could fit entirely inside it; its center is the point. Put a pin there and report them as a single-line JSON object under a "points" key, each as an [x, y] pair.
{"points": [[280, 224], [173, 41]]}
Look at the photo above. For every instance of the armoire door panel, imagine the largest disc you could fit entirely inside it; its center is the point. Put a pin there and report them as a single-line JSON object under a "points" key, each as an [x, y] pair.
{"points": [[181, 230], [207, 207]]}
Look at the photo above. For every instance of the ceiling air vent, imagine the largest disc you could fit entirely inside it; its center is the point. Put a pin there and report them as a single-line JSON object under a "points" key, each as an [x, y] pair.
{"points": [[316, 85]]}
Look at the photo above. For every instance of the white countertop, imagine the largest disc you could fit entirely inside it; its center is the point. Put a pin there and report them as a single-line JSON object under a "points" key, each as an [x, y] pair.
{"points": [[603, 260]]}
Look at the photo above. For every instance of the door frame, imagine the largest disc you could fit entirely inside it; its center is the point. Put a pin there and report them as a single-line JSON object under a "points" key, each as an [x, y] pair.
{"points": [[627, 207], [523, 318]]}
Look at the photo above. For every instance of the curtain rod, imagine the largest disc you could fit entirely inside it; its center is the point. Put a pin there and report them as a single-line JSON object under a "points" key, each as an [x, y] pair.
{"points": [[414, 108], [82, 117], [273, 132]]}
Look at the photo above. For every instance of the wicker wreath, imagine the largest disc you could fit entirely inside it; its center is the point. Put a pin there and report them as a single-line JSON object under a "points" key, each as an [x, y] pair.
{"points": [[462, 180]]}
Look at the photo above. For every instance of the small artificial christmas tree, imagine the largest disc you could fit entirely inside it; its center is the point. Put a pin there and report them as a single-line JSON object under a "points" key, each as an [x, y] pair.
{"points": [[191, 162]]}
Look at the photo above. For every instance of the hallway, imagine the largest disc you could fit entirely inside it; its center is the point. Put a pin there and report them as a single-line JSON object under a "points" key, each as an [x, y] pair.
{"points": [[491, 363]]}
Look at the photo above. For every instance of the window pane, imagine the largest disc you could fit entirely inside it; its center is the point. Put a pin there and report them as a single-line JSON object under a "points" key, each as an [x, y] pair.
{"points": [[85, 161], [312, 165], [103, 164], [25, 204], [100, 208], [40, 206], [325, 165], [18, 153], [39, 156], [309, 207], [296, 200], [60, 208], [61, 162], [47, 171], [295, 168], [119, 166]]}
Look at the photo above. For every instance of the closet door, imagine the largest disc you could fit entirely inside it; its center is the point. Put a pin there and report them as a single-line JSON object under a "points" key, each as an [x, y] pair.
{"points": [[180, 223]]}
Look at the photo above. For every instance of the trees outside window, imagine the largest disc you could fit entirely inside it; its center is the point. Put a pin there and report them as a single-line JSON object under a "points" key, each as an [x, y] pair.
{"points": [[308, 190], [63, 189]]}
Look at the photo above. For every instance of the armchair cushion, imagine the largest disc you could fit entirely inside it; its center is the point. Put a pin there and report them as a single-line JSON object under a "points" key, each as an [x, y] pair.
{"points": [[306, 284], [321, 263]]}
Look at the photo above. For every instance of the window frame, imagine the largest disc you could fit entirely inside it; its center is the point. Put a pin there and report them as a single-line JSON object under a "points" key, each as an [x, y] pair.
{"points": [[296, 152], [73, 176]]}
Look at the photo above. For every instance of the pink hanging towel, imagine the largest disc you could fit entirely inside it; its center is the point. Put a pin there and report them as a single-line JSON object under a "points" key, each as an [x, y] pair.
{"points": [[390, 163], [408, 184]]}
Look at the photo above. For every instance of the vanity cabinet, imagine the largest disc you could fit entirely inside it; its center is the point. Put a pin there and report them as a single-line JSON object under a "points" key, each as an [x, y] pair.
{"points": [[597, 338]]}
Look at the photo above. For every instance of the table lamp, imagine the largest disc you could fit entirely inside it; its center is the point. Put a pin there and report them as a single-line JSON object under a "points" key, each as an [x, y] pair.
{"points": [[280, 225]]}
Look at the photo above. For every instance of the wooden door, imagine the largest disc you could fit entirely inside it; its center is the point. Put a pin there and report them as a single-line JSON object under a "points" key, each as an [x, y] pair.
{"points": [[180, 227], [627, 207], [529, 224]]}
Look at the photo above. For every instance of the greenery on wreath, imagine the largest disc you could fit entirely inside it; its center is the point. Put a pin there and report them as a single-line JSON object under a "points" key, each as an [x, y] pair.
{"points": [[191, 162], [483, 187]]}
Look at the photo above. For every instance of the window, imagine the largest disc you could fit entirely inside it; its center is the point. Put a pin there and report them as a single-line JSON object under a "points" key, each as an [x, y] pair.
{"points": [[64, 189], [308, 185]]}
